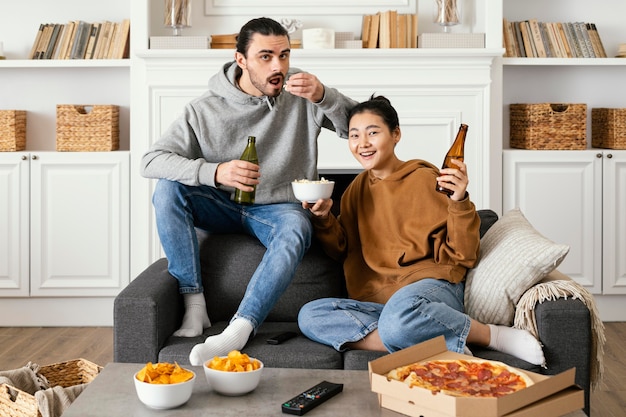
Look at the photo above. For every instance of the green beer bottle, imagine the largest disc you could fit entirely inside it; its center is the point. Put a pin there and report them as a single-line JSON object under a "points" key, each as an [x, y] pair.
{"points": [[249, 154]]}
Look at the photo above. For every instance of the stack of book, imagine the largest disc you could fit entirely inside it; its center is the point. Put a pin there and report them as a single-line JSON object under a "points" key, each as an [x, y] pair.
{"points": [[389, 30], [82, 40], [534, 39]]}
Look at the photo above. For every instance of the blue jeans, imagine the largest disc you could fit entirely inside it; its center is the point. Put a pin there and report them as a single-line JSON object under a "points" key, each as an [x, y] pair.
{"points": [[415, 313], [284, 229]]}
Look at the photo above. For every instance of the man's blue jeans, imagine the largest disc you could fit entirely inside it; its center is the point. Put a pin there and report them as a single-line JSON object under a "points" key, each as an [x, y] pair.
{"points": [[284, 229], [415, 313]]}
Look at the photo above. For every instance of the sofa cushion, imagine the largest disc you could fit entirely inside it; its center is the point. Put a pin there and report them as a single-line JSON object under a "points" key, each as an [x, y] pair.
{"points": [[513, 257], [229, 260]]}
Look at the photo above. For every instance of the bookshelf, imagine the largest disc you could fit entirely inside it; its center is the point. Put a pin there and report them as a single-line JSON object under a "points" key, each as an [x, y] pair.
{"points": [[64, 232], [590, 205]]}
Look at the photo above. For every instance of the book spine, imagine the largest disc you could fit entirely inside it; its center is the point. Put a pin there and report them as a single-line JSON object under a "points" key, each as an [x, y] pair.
{"points": [[600, 45], [587, 39], [519, 39], [573, 40], [33, 49], [537, 40]]}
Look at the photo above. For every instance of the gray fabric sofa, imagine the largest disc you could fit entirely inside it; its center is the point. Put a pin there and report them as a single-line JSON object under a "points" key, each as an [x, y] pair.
{"points": [[149, 310]]}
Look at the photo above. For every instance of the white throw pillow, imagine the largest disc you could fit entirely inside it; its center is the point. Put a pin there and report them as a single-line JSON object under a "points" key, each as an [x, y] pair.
{"points": [[513, 257]]}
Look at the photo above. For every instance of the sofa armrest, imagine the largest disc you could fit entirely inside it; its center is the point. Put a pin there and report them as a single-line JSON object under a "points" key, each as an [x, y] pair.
{"points": [[145, 314], [564, 327]]}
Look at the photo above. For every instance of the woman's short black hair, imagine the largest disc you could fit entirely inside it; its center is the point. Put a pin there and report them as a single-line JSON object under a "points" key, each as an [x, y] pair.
{"points": [[381, 106], [262, 25]]}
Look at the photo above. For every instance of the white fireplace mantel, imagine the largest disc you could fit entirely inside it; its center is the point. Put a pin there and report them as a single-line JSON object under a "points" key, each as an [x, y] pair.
{"points": [[433, 90]]}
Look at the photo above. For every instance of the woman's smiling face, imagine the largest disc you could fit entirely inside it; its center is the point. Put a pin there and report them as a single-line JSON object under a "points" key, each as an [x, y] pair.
{"points": [[372, 143]]}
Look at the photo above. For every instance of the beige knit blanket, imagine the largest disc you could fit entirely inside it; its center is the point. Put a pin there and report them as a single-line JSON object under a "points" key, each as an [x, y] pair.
{"points": [[557, 285]]}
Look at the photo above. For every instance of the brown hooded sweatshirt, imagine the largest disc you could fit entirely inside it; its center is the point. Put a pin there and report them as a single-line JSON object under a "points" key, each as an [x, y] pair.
{"points": [[394, 231]]}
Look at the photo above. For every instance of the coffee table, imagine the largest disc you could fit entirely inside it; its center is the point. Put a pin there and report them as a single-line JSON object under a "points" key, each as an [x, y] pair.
{"points": [[112, 393]]}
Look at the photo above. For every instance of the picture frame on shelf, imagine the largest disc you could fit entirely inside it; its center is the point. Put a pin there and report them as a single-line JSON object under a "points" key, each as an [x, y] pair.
{"points": [[270, 7]]}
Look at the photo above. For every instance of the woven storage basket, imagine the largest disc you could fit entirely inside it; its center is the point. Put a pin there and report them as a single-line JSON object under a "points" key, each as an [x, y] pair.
{"points": [[12, 130], [548, 126], [608, 128], [87, 128], [17, 403]]}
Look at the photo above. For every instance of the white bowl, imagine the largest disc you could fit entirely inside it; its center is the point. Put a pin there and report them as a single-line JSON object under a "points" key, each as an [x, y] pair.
{"points": [[312, 191], [164, 396], [233, 383]]}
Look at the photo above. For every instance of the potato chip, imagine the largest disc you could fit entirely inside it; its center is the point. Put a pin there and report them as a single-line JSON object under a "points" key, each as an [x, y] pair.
{"points": [[163, 373], [235, 361]]}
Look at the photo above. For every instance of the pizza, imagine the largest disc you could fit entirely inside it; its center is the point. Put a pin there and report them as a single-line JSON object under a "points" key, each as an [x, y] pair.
{"points": [[462, 377]]}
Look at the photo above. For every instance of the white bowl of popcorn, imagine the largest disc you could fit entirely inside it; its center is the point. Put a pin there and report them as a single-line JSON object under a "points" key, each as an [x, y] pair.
{"points": [[312, 190]]}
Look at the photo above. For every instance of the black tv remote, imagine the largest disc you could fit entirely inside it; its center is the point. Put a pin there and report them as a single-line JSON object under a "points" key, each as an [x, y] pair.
{"points": [[311, 398]]}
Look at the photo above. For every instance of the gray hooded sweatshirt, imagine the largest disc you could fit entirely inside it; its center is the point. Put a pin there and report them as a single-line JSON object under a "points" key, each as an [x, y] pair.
{"points": [[214, 128]]}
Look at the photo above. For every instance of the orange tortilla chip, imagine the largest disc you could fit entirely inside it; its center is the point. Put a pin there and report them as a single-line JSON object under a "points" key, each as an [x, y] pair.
{"points": [[234, 362], [163, 373]]}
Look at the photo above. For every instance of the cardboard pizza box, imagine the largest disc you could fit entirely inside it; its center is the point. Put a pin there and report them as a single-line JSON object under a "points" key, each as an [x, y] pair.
{"points": [[548, 396]]}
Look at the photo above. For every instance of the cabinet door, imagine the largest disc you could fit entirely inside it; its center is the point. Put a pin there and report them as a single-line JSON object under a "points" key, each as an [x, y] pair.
{"points": [[560, 193], [614, 217], [14, 219], [79, 223]]}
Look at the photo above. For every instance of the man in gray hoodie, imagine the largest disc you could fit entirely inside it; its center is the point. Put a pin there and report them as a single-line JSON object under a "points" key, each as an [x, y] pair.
{"points": [[197, 162]]}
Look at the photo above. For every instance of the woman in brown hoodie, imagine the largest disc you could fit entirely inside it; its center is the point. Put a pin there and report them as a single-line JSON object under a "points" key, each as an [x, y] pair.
{"points": [[405, 250]]}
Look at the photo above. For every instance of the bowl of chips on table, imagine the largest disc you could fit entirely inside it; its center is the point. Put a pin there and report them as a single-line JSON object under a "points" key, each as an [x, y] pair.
{"points": [[312, 190], [234, 374], [164, 385]]}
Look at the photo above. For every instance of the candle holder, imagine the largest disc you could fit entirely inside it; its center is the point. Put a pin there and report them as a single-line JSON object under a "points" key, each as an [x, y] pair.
{"points": [[177, 15], [446, 13]]}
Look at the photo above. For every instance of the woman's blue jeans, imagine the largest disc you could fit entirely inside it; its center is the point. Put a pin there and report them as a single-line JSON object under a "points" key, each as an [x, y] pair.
{"points": [[284, 229], [415, 313]]}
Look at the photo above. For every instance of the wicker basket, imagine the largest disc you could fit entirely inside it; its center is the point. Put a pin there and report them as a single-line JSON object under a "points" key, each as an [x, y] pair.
{"points": [[548, 126], [17, 403], [608, 128], [87, 128], [12, 130]]}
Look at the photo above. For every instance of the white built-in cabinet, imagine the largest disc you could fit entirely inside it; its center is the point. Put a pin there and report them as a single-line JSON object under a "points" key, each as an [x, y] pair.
{"points": [[66, 217], [578, 198]]}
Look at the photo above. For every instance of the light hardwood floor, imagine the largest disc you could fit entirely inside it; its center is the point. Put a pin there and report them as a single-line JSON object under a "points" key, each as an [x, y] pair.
{"points": [[47, 345]]}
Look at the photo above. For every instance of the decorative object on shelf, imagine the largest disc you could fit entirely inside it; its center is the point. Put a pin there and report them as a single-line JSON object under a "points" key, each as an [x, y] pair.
{"points": [[12, 130], [446, 13], [179, 42], [2, 51], [621, 52], [291, 25], [318, 38], [228, 41], [608, 128], [548, 126], [82, 128], [451, 40], [346, 40], [177, 15]]}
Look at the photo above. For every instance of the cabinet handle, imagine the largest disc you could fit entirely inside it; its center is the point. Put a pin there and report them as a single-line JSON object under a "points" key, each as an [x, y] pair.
{"points": [[610, 156], [24, 157], [34, 157], [598, 155]]}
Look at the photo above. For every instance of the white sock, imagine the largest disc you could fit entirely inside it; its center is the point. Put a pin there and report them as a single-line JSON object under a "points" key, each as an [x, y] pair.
{"points": [[196, 318], [234, 337], [517, 342]]}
